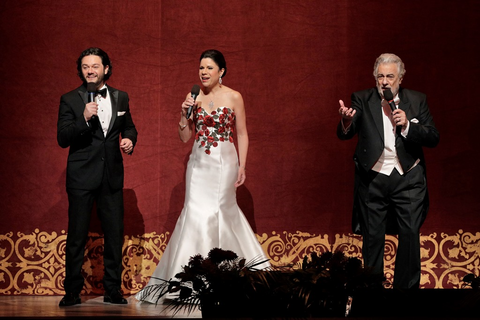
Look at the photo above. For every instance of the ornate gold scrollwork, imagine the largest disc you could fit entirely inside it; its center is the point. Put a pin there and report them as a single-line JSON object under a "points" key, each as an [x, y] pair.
{"points": [[33, 264]]}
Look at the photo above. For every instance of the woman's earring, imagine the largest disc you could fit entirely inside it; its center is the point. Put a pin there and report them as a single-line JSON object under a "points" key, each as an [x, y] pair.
{"points": [[220, 80]]}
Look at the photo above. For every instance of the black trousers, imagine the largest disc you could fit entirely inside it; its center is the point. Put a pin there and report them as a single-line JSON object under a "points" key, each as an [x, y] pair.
{"points": [[406, 197], [110, 211]]}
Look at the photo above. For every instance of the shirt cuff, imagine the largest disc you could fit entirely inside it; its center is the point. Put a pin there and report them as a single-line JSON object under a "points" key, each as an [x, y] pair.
{"points": [[405, 132], [345, 130]]}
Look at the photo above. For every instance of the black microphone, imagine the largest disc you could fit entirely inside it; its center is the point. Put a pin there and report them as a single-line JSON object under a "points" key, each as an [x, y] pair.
{"points": [[91, 91], [195, 91], [388, 95]]}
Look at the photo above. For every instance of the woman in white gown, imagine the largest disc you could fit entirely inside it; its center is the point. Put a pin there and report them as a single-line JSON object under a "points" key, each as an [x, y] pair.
{"points": [[211, 217]]}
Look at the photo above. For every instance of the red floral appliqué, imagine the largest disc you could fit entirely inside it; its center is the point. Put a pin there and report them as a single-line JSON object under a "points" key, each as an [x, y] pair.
{"points": [[218, 126]]}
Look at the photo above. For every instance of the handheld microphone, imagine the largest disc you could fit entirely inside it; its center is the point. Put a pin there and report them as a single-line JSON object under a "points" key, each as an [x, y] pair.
{"points": [[195, 91], [91, 91], [388, 95]]}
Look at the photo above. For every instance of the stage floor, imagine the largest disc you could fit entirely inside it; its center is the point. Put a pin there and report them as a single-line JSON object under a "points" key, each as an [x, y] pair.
{"points": [[46, 307], [385, 304]]}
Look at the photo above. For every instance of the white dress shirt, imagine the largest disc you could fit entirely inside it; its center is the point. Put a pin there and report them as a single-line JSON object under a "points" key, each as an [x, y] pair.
{"points": [[388, 159], [104, 110]]}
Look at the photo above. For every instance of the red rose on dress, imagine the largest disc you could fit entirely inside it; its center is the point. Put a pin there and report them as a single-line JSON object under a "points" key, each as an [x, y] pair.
{"points": [[218, 126], [209, 121]]}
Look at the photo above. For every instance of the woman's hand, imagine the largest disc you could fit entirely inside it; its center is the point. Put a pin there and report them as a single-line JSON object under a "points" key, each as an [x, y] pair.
{"points": [[189, 102], [240, 177]]}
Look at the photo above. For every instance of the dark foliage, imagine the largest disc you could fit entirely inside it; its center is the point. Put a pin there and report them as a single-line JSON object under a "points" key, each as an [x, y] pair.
{"points": [[224, 282]]}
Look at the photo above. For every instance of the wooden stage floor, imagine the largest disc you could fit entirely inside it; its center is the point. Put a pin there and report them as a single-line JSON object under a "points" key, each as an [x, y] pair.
{"points": [[388, 304], [46, 307]]}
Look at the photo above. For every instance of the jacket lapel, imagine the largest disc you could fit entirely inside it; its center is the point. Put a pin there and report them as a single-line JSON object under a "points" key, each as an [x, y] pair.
{"points": [[375, 105], [114, 99], [404, 103], [82, 91]]}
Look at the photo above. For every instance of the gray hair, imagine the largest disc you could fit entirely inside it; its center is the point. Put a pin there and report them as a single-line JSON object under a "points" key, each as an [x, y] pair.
{"points": [[389, 58]]}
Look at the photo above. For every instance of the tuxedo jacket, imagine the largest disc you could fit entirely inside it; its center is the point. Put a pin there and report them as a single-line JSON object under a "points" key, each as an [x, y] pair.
{"points": [[91, 152], [367, 124]]}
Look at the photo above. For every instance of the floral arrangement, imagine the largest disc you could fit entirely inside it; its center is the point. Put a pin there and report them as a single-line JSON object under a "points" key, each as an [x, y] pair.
{"points": [[471, 301], [219, 275], [225, 283], [471, 280]]}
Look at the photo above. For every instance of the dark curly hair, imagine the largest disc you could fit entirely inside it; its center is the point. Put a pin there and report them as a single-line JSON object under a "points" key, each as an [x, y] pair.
{"points": [[96, 52], [217, 57]]}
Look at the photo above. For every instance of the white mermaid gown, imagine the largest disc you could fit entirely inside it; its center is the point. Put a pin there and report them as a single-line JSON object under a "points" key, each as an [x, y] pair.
{"points": [[210, 217]]}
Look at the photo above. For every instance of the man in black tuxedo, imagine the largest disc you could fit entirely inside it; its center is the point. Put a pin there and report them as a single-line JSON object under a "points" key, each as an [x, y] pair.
{"points": [[91, 129], [390, 172]]}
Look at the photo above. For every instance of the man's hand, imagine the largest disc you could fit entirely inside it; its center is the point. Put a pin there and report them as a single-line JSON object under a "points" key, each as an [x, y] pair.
{"points": [[346, 113], [91, 109], [400, 118], [126, 145]]}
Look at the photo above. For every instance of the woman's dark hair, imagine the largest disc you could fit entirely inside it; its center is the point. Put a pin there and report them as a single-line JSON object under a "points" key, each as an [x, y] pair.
{"points": [[217, 57], [96, 52]]}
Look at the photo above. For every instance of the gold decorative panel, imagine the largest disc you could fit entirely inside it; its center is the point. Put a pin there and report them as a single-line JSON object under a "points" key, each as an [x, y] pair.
{"points": [[33, 264]]}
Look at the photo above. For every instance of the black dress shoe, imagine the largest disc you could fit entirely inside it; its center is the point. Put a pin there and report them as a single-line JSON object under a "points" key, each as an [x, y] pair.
{"points": [[114, 296], [70, 299]]}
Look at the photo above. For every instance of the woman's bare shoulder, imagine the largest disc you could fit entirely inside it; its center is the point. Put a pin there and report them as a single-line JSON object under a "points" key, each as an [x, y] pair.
{"points": [[232, 94]]}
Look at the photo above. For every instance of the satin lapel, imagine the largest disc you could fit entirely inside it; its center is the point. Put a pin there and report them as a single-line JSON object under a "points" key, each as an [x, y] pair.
{"points": [[114, 100], [404, 103], [376, 110], [83, 94]]}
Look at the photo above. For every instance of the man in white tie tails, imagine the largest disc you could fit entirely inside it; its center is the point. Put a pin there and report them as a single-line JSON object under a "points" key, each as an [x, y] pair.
{"points": [[393, 125]]}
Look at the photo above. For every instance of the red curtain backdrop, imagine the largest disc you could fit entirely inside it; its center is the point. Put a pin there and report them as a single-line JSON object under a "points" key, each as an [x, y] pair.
{"points": [[291, 59]]}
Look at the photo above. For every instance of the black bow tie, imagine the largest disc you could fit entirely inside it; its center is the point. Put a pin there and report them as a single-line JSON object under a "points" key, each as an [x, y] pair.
{"points": [[102, 92]]}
